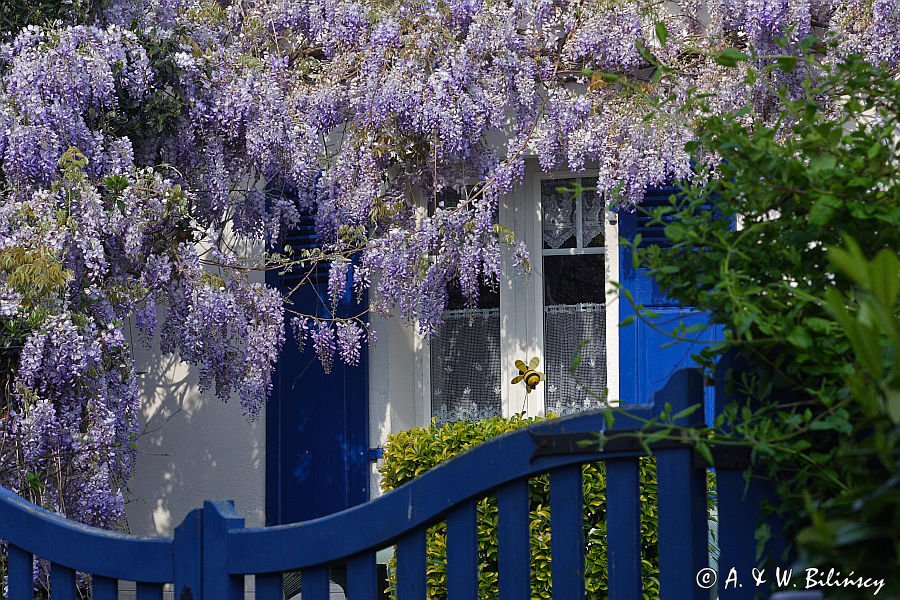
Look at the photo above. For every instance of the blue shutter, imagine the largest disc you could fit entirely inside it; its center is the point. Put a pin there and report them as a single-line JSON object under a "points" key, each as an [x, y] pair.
{"points": [[647, 358], [316, 423]]}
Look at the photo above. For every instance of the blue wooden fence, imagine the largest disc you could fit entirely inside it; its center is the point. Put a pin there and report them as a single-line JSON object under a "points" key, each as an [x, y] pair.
{"points": [[212, 552]]}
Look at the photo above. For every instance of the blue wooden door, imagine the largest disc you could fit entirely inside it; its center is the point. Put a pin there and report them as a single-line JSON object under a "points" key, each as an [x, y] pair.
{"points": [[316, 423], [647, 356]]}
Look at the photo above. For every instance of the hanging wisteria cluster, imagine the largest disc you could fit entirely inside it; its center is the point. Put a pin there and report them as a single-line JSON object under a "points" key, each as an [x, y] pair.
{"points": [[145, 147]]}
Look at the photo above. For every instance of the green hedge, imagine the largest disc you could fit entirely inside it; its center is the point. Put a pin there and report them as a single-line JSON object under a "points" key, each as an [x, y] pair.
{"points": [[410, 453]]}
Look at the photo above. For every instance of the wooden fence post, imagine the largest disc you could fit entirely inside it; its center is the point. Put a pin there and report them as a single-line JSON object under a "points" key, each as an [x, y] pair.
{"points": [[218, 517], [188, 557], [740, 505], [682, 495]]}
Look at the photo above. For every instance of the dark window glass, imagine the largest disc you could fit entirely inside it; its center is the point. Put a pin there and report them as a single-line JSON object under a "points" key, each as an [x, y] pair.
{"points": [[488, 297], [574, 279]]}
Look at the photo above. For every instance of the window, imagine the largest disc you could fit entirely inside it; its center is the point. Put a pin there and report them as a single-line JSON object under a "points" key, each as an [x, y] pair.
{"points": [[468, 367], [574, 293], [465, 355]]}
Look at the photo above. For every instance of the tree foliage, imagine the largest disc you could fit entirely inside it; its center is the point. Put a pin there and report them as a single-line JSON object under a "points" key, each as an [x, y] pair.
{"points": [[791, 244]]}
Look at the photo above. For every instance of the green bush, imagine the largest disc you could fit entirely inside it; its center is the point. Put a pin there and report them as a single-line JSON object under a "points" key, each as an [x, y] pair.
{"points": [[408, 454]]}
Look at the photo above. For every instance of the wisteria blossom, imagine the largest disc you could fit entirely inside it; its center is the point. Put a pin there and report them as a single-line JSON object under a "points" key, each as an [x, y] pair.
{"points": [[147, 144]]}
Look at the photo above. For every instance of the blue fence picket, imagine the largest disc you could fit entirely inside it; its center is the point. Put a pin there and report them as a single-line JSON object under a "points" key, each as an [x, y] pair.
{"points": [[218, 582], [739, 504], [362, 576], [514, 539], [187, 546], [411, 566], [104, 588], [623, 528], [567, 533], [269, 586], [314, 583], [462, 552], [62, 582], [19, 563], [149, 591], [683, 535]]}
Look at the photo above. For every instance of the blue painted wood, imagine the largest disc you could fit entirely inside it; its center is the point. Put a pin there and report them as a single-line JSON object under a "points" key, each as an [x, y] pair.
{"points": [[420, 502], [62, 583], [362, 576], [514, 541], [188, 547], [411, 566], [647, 357], [219, 517], [623, 528], [149, 591], [462, 552], [316, 432], [20, 574], [683, 535], [212, 551], [739, 509], [683, 523], [314, 583], [81, 547], [104, 588], [269, 586], [567, 532]]}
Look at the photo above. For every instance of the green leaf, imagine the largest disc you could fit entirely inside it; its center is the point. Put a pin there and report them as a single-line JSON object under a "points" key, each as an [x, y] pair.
{"points": [[685, 412], [576, 362], [704, 451], [786, 63], [799, 338], [893, 404], [731, 57], [822, 162], [627, 321], [874, 150], [662, 33]]}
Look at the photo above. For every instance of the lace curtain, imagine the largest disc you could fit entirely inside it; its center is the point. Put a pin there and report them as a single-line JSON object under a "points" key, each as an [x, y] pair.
{"points": [[560, 213], [564, 327], [592, 217], [559, 216], [465, 366]]}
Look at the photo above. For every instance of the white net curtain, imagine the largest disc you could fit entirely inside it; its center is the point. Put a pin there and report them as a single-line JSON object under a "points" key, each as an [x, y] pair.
{"points": [[564, 327], [465, 366]]}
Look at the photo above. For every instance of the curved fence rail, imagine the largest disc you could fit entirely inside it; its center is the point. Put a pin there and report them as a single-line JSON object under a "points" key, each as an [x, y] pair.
{"points": [[212, 552], [31, 531]]}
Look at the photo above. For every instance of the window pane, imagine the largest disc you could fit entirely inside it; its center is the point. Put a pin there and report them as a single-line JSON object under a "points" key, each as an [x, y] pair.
{"points": [[558, 214], [574, 279], [488, 296], [592, 215], [465, 366]]}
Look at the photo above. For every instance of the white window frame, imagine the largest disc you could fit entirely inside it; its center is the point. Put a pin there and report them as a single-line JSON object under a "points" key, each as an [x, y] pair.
{"points": [[522, 299]]}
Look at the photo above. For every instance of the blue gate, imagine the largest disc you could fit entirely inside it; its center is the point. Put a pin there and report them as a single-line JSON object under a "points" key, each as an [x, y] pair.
{"points": [[212, 552]]}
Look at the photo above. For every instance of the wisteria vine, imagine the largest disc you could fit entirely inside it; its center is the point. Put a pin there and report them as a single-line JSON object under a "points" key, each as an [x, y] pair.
{"points": [[146, 146]]}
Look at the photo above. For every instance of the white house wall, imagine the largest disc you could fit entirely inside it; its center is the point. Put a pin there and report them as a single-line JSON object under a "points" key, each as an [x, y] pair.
{"points": [[192, 447], [394, 388]]}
